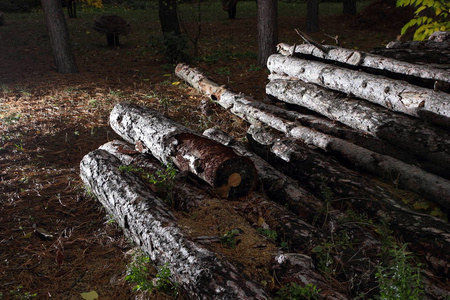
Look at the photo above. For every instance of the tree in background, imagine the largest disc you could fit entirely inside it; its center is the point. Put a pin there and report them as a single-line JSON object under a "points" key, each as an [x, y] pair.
{"points": [[267, 30], [430, 16], [349, 7], [59, 36], [312, 16], [174, 43]]}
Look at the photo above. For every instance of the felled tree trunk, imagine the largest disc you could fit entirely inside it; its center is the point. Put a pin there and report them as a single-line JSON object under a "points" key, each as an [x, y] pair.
{"points": [[409, 177], [229, 174], [151, 225], [419, 45], [411, 134], [320, 174], [393, 94], [427, 57], [364, 59], [180, 195], [278, 186]]}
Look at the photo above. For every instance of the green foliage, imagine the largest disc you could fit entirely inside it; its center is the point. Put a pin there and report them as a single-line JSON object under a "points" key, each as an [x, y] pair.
{"points": [[398, 279], [293, 291], [270, 234], [139, 273], [18, 294], [430, 16], [229, 238], [163, 178]]}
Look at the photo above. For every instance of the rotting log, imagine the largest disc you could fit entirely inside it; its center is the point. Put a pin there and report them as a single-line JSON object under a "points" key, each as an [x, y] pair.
{"points": [[321, 173], [409, 177], [230, 175], [364, 59], [151, 225], [396, 95], [413, 135]]}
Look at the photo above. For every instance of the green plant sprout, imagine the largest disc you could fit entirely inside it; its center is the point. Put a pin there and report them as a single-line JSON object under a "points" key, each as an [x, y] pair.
{"points": [[295, 291], [229, 238], [399, 279]]}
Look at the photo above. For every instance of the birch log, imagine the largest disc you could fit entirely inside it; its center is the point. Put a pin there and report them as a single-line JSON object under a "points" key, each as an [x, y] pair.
{"points": [[394, 94], [151, 225], [229, 174], [364, 59], [409, 177], [419, 45], [427, 142], [320, 172]]}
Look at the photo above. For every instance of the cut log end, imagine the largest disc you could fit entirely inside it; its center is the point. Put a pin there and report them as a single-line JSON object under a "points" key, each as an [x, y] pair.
{"points": [[236, 177]]}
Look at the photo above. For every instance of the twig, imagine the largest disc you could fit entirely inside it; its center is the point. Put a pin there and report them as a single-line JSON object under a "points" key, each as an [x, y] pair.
{"points": [[310, 41]]}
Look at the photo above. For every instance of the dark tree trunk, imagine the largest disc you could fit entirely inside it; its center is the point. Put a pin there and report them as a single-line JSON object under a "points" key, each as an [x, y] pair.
{"points": [[267, 30], [168, 16], [72, 8], [59, 36], [349, 7], [312, 16]]}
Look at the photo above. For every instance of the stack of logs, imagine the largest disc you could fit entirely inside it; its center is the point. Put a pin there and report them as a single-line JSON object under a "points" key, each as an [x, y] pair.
{"points": [[344, 113]]}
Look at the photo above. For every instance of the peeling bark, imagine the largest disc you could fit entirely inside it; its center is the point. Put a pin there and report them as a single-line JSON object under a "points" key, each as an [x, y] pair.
{"points": [[396, 95], [149, 222], [427, 142], [321, 173], [364, 59], [229, 174], [410, 177]]}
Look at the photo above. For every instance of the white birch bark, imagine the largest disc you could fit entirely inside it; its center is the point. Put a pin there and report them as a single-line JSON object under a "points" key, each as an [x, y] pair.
{"points": [[413, 135], [396, 95], [365, 59]]}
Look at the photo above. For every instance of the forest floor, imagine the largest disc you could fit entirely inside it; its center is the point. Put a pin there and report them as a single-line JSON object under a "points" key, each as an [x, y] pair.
{"points": [[49, 121]]}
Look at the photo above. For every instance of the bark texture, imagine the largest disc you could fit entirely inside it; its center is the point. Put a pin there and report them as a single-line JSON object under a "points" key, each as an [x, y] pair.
{"points": [[151, 225], [426, 142], [59, 36], [409, 177], [424, 57], [364, 59], [320, 173], [267, 30], [279, 187], [396, 95], [229, 174]]}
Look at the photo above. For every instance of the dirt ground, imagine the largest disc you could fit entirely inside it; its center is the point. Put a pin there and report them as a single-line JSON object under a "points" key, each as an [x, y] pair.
{"points": [[49, 121]]}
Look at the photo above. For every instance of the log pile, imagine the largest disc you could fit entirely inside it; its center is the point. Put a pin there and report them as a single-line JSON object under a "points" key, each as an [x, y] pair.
{"points": [[311, 172]]}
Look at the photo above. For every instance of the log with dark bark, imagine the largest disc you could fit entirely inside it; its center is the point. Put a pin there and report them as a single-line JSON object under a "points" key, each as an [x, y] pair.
{"points": [[424, 57], [396, 95], [278, 186], [229, 174], [419, 45], [364, 59], [176, 191], [321, 173], [409, 177], [413, 135], [151, 225]]}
